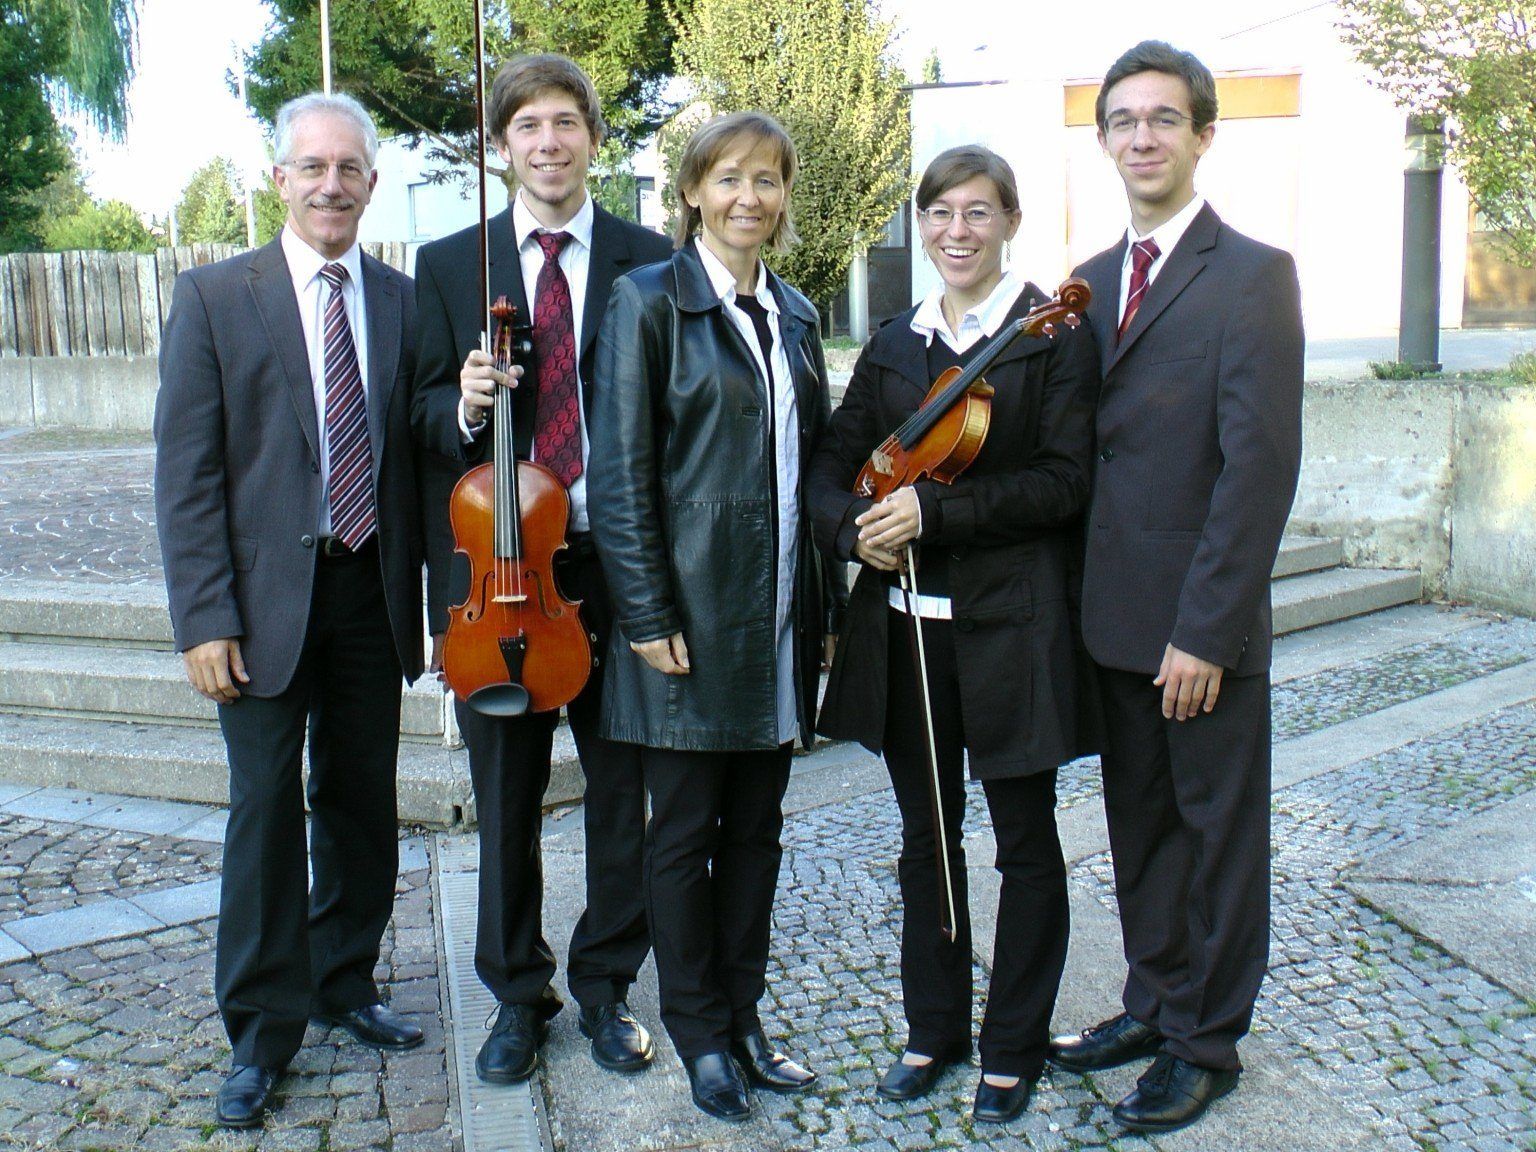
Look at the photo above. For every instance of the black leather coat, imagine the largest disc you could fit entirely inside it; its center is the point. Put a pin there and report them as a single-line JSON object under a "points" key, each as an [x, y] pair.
{"points": [[1009, 525], [680, 493]]}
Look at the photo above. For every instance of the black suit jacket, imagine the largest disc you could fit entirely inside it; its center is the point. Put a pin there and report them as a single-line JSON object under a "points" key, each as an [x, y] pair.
{"points": [[448, 312], [1199, 447], [237, 461]]}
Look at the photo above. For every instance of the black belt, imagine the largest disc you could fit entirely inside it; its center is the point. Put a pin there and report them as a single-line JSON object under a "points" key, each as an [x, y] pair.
{"points": [[335, 548], [578, 546]]}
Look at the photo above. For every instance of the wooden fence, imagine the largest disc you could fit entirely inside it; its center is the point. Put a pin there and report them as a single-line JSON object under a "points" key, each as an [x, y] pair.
{"points": [[103, 303]]}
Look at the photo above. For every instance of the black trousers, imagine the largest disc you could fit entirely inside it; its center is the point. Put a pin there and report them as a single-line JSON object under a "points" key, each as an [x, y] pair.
{"points": [[509, 767], [279, 955], [1188, 808], [1030, 949], [712, 866]]}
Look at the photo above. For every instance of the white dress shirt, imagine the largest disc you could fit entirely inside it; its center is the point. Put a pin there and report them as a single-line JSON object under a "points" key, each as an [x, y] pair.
{"points": [[786, 439], [1167, 236], [304, 265], [575, 260]]}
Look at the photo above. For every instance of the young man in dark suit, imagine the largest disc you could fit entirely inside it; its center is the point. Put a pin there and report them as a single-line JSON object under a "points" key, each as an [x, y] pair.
{"points": [[290, 525], [558, 251], [1199, 446]]}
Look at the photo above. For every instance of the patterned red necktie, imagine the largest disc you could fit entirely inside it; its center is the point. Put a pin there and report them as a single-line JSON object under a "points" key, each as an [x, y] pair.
{"points": [[1143, 254], [557, 414], [346, 423]]}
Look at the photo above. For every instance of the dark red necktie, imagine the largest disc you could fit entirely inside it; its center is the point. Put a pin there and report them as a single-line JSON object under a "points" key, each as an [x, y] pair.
{"points": [[346, 422], [1143, 254], [557, 414]]}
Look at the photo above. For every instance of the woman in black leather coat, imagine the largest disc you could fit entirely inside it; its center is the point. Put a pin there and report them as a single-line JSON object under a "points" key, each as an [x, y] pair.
{"points": [[709, 395], [994, 589]]}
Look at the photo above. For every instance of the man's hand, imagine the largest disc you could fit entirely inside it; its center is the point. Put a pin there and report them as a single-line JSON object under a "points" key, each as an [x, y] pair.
{"points": [[435, 665], [1189, 684], [891, 523], [880, 558], [477, 385], [213, 668], [669, 654]]}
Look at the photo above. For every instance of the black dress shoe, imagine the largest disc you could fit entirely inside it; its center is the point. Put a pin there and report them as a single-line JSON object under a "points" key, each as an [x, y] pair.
{"points": [[619, 1042], [245, 1096], [998, 1105], [375, 1026], [511, 1052], [1108, 1045], [769, 1069], [903, 1081], [717, 1086], [1172, 1094]]}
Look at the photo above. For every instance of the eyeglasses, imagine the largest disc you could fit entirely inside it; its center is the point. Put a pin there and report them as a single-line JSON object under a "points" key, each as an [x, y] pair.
{"points": [[349, 172], [1163, 123], [938, 217]]}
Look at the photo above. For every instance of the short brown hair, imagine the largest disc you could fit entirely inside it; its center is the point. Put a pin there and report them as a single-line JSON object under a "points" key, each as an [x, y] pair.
{"points": [[1159, 56], [522, 79], [957, 165], [704, 150]]}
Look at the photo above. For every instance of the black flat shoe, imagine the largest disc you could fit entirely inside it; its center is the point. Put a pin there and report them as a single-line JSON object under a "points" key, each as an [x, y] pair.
{"points": [[245, 1096], [768, 1069], [375, 1026], [1108, 1045], [998, 1105], [903, 1081], [619, 1042], [717, 1086], [1172, 1094], [511, 1052]]}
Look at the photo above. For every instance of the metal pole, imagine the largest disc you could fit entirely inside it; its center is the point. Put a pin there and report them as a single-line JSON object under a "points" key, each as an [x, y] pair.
{"points": [[858, 296], [1418, 338], [325, 45], [245, 177]]}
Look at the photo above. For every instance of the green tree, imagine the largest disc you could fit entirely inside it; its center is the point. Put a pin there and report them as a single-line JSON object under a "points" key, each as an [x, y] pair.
{"points": [[32, 150], [824, 68], [110, 227], [1471, 63], [212, 206], [101, 44], [933, 70]]}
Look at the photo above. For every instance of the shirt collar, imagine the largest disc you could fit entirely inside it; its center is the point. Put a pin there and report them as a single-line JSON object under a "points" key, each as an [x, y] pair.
{"points": [[988, 316], [723, 280], [304, 263], [524, 224], [1170, 231]]}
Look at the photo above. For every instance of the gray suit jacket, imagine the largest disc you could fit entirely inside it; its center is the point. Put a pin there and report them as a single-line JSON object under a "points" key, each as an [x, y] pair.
{"points": [[1199, 447], [237, 461]]}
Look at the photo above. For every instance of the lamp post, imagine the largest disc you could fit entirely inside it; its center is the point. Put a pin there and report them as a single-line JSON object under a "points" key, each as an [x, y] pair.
{"points": [[325, 45], [1418, 334]]}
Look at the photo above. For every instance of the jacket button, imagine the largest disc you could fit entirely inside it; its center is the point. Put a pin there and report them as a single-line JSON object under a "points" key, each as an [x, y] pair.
{"points": [[1107, 455], [314, 466], [307, 541]]}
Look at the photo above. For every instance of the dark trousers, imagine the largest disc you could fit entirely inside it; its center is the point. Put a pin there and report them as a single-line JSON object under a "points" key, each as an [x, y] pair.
{"points": [[1188, 808], [712, 866], [509, 767], [1030, 949], [280, 956]]}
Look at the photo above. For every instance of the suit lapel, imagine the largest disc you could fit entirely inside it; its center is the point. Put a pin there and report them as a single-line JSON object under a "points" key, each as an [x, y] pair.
{"points": [[1103, 276], [381, 297], [507, 280], [1188, 260], [609, 259], [271, 288]]}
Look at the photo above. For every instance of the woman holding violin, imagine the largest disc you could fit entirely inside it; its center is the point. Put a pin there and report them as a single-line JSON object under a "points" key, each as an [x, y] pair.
{"points": [[709, 393], [991, 557]]}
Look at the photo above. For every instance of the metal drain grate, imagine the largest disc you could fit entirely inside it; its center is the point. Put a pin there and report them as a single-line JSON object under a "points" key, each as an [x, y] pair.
{"points": [[496, 1117]]}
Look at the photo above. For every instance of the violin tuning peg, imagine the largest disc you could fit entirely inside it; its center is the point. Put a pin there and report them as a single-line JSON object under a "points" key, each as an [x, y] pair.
{"points": [[1048, 330], [1073, 320]]}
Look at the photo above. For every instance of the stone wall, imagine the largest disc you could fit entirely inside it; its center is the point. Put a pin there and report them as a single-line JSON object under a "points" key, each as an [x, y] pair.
{"points": [[105, 392]]}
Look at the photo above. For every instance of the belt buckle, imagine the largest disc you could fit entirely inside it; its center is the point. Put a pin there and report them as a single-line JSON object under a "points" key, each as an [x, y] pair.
{"points": [[332, 547]]}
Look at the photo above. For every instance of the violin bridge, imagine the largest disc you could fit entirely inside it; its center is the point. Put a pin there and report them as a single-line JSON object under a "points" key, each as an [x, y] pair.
{"points": [[514, 598], [881, 462]]}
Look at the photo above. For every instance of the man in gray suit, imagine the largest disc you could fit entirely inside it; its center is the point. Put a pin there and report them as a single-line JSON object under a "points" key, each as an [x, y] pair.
{"points": [[290, 525], [1199, 446]]}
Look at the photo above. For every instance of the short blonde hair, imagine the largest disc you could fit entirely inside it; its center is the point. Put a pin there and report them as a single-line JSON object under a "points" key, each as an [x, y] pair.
{"points": [[705, 149]]}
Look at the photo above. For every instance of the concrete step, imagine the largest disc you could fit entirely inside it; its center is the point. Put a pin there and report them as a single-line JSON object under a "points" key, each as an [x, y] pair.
{"points": [[78, 612], [179, 763], [1300, 554], [135, 684], [1313, 598]]}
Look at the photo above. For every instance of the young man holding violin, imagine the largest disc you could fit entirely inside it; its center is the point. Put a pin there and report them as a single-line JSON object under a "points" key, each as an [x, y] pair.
{"points": [[1199, 446], [558, 251]]}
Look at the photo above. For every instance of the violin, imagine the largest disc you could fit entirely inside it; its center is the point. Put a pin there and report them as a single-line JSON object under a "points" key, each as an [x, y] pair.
{"points": [[939, 442], [515, 645]]}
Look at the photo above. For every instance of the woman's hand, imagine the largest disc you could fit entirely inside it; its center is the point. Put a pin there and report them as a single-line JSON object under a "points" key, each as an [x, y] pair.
{"points": [[894, 521], [879, 558], [668, 655]]}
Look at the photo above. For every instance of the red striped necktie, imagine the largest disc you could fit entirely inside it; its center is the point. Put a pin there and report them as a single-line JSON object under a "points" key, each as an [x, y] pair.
{"points": [[1144, 254], [346, 423]]}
